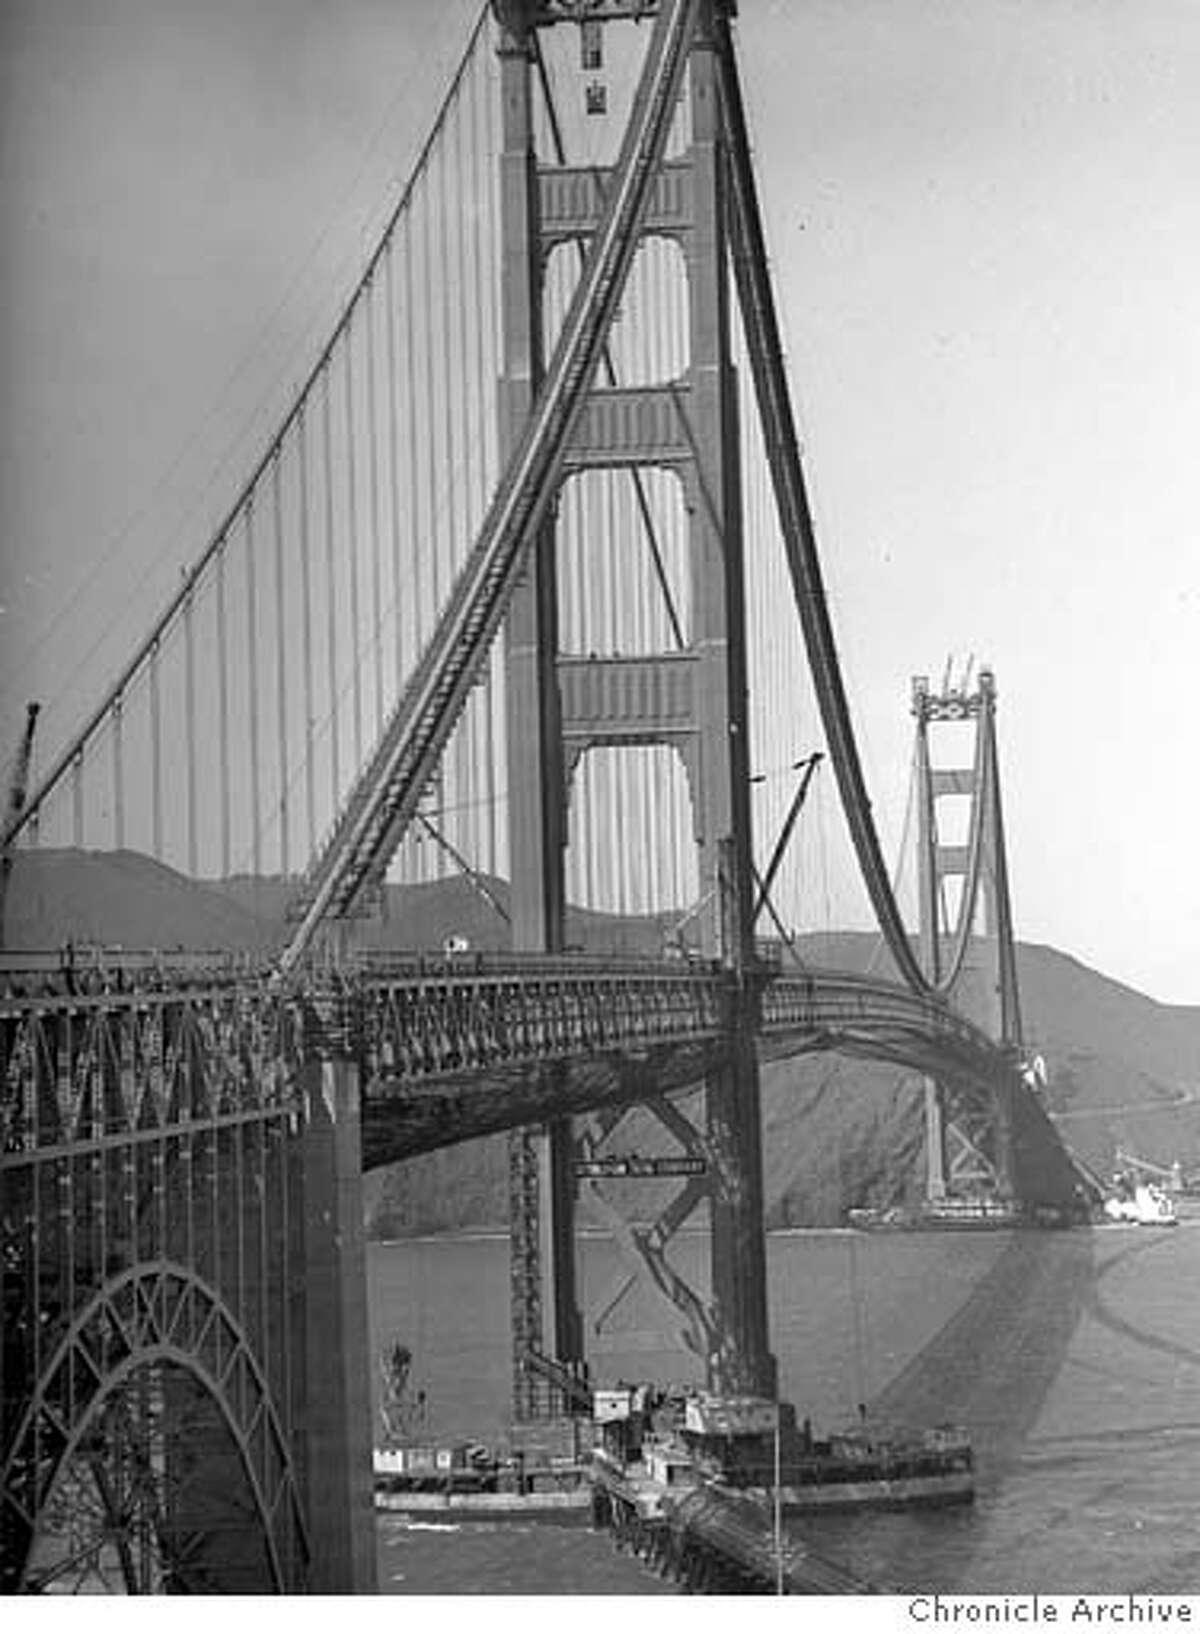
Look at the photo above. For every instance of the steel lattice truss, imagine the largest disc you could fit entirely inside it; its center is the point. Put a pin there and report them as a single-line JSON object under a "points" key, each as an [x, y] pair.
{"points": [[151, 1202], [450, 1050], [468, 1037], [477, 1034]]}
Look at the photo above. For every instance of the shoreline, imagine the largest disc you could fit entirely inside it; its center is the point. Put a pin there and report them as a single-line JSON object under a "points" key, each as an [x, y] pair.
{"points": [[498, 1234]]}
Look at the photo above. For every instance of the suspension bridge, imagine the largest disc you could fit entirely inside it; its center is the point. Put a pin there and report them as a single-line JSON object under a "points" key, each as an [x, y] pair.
{"points": [[523, 586]]}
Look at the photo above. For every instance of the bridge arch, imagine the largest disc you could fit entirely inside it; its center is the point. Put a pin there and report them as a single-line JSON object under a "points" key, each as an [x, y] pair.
{"points": [[156, 1356]]}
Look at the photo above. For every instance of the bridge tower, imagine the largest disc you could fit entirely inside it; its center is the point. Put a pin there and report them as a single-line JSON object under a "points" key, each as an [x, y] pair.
{"points": [[692, 700], [964, 1145]]}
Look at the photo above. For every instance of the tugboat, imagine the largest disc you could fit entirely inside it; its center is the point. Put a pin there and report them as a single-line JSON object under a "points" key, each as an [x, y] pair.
{"points": [[752, 1446], [1138, 1203], [732, 1439]]}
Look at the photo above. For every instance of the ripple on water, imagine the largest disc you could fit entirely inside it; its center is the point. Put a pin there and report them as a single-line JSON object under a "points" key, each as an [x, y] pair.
{"points": [[501, 1558]]}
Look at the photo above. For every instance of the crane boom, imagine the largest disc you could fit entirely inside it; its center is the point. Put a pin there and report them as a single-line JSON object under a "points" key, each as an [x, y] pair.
{"points": [[1126, 1159]]}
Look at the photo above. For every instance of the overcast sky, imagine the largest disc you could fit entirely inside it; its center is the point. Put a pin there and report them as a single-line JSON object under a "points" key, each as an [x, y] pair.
{"points": [[985, 228]]}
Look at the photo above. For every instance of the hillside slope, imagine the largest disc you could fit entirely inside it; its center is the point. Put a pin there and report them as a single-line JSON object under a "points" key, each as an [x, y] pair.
{"points": [[1122, 1068]]}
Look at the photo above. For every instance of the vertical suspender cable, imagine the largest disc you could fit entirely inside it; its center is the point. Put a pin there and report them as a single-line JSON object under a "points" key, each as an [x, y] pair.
{"points": [[658, 829], [252, 690], [452, 298], [449, 294], [485, 828], [373, 484], [77, 801], [413, 621], [389, 290], [310, 771], [441, 540], [410, 408], [429, 399], [1010, 994], [352, 531], [155, 757], [281, 665], [464, 270], [581, 791], [189, 706], [617, 764], [118, 711], [418, 543], [500, 861], [223, 716], [330, 590]]}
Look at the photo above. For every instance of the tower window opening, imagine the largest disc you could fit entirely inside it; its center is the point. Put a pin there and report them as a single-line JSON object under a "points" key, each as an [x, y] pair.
{"points": [[597, 98]]}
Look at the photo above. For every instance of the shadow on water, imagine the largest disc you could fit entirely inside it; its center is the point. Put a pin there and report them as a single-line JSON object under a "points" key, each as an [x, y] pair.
{"points": [[992, 1364], [1100, 1312], [1062, 1357], [990, 1367]]}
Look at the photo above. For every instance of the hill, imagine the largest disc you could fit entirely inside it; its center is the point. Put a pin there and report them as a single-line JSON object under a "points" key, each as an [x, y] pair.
{"points": [[1122, 1068]]}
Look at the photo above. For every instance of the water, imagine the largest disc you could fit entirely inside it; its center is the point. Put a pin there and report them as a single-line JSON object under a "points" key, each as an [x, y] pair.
{"points": [[1072, 1357]]}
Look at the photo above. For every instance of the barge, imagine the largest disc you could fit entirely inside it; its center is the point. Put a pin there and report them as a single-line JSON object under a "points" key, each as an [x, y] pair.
{"points": [[946, 1214], [464, 1482], [657, 1444]]}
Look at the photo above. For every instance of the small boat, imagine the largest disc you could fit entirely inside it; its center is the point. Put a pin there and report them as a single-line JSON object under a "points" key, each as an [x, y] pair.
{"points": [[1139, 1204], [862, 1467], [752, 1445]]}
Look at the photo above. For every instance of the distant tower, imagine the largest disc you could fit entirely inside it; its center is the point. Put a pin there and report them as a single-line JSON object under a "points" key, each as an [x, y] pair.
{"points": [[963, 1150]]}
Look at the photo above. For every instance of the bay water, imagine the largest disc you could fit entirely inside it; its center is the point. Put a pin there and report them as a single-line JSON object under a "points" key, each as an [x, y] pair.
{"points": [[1072, 1357]]}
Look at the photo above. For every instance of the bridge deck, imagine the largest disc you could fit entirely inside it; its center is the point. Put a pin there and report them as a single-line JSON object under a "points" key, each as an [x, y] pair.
{"points": [[451, 1048]]}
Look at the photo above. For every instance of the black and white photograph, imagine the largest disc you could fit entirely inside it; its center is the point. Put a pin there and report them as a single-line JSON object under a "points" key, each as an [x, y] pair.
{"points": [[599, 891]]}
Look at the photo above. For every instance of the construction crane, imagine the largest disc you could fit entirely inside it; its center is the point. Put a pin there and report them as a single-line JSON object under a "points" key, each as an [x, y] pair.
{"points": [[17, 786], [808, 767], [1131, 1164]]}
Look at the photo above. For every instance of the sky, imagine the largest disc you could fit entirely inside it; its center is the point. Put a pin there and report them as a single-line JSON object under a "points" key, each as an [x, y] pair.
{"points": [[985, 236]]}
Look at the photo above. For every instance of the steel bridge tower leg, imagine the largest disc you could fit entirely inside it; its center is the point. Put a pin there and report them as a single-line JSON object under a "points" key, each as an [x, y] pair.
{"points": [[722, 794], [541, 1211]]}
